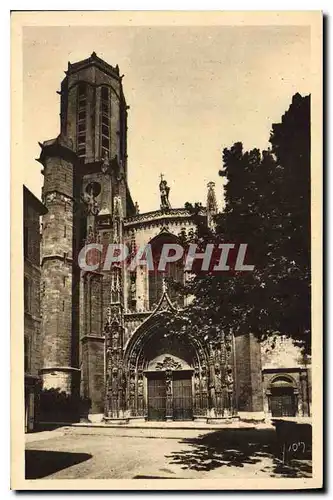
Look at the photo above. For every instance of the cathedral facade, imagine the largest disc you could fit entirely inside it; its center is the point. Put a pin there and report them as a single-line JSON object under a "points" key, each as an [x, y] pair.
{"points": [[102, 332]]}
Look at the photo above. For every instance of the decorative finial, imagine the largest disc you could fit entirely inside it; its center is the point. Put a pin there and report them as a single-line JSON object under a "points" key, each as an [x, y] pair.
{"points": [[164, 284], [211, 204]]}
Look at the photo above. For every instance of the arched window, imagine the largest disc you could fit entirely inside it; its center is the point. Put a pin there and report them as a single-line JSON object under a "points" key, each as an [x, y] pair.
{"points": [[173, 270], [105, 122], [81, 128]]}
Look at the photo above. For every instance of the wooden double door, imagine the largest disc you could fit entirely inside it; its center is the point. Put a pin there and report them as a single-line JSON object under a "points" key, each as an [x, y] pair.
{"points": [[283, 402], [170, 395]]}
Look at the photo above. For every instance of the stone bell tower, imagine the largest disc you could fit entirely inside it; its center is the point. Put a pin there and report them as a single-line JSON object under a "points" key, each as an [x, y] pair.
{"points": [[85, 178]]}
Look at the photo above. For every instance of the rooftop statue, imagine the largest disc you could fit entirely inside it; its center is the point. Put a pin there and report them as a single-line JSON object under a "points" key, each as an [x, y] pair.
{"points": [[164, 192]]}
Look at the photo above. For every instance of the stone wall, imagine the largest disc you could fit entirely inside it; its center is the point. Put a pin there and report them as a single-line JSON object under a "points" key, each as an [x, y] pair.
{"points": [[282, 358], [33, 208], [282, 354], [247, 374], [32, 319], [57, 272], [93, 372]]}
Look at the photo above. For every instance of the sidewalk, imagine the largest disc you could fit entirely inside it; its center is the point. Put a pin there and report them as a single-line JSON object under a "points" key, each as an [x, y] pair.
{"points": [[190, 425], [172, 425], [43, 435]]}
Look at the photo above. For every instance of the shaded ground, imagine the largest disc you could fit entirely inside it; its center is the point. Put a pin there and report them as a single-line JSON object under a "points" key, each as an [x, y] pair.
{"points": [[40, 463], [237, 447], [167, 453]]}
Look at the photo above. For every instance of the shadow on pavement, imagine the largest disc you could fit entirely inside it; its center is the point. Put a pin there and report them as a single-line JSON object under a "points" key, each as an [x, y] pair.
{"points": [[235, 448], [39, 463]]}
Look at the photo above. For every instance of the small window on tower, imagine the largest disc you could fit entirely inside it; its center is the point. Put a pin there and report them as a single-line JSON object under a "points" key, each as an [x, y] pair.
{"points": [[82, 90], [105, 130], [105, 107], [82, 116], [81, 139], [105, 142], [105, 121], [105, 93]]}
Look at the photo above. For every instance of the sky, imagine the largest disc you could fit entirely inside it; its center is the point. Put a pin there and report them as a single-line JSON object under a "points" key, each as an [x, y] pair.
{"points": [[191, 90]]}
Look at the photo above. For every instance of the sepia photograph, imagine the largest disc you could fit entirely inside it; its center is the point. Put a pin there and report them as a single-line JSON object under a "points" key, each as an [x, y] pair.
{"points": [[166, 234]]}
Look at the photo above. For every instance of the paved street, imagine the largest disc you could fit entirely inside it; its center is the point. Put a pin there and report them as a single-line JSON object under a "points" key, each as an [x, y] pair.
{"points": [[97, 453]]}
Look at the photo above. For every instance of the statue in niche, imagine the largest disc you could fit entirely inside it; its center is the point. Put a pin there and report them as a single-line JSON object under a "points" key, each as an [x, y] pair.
{"points": [[106, 163], [164, 193], [140, 386], [230, 381], [133, 290], [90, 235], [168, 382], [92, 191]]}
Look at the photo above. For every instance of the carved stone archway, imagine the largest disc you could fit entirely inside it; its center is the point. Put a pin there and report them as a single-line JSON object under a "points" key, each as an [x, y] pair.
{"points": [[210, 366], [147, 342]]}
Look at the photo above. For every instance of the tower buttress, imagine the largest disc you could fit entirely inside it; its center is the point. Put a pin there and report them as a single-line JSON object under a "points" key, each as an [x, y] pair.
{"points": [[57, 265]]}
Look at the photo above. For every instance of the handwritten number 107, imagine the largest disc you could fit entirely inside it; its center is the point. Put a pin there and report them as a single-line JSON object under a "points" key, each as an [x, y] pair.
{"points": [[297, 446]]}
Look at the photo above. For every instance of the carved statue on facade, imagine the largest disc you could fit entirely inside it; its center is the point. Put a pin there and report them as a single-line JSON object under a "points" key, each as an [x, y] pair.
{"points": [[89, 198], [164, 192], [90, 235], [106, 163], [168, 363]]}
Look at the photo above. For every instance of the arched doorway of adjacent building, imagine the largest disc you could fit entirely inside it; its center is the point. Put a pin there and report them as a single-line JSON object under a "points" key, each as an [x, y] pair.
{"points": [[166, 374], [283, 397]]}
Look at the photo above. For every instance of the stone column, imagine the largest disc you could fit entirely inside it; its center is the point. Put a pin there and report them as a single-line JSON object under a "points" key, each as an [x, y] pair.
{"points": [[211, 386]]}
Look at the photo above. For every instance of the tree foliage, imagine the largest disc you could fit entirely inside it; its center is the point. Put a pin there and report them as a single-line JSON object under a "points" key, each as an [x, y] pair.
{"points": [[267, 206]]}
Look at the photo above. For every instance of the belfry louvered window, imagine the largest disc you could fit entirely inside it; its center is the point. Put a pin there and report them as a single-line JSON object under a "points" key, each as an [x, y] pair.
{"points": [[81, 120], [105, 121]]}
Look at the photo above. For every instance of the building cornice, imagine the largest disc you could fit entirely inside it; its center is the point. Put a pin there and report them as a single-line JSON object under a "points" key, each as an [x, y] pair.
{"points": [[160, 216], [94, 60], [138, 315]]}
